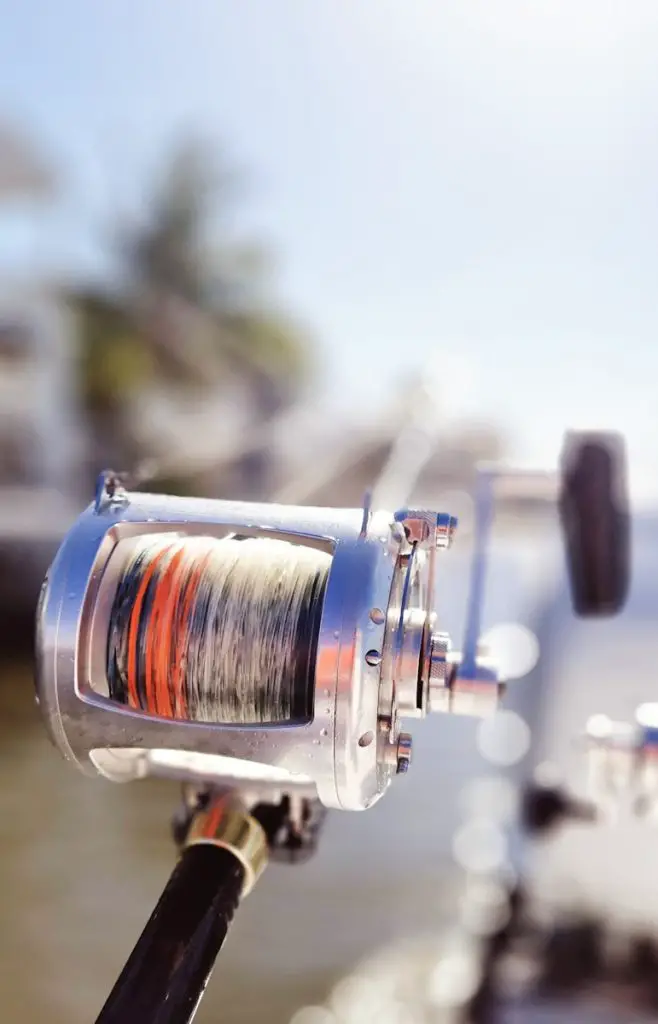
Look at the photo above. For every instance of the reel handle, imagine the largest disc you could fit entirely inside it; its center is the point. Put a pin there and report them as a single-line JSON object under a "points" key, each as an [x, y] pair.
{"points": [[593, 506], [595, 519]]}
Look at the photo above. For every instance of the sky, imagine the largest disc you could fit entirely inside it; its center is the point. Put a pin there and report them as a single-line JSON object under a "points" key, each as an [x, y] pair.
{"points": [[466, 183]]}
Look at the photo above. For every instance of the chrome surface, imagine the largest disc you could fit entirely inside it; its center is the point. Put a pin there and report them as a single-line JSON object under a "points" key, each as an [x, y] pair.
{"points": [[372, 663], [439, 674], [234, 830]]}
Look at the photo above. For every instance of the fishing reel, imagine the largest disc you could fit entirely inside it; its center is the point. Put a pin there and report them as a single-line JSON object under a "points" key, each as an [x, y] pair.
{"points": [[274, 648]]}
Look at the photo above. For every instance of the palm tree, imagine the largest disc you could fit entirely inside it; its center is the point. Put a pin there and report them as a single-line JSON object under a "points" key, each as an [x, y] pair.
{"points": [[189, 312], [176, 264]]}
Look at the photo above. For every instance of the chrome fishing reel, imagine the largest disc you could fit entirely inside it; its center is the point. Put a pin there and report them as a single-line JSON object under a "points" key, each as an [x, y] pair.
{"points": [[273, 649]]}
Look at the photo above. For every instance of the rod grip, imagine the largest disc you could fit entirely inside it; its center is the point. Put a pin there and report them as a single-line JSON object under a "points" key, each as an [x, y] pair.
{"points": [[168, 970]]}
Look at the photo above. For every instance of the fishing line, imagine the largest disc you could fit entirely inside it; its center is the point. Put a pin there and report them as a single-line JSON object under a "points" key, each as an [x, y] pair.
{"points": [[218, 630]]}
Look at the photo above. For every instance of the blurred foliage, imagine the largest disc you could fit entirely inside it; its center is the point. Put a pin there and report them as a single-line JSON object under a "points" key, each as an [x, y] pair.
{"points": [[114, 360], [190, 309], [273, 343], [170, 252]]}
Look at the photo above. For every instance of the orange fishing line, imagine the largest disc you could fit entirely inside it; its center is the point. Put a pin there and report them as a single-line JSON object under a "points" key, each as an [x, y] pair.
{"points": [[159, 637], [133, 637]]}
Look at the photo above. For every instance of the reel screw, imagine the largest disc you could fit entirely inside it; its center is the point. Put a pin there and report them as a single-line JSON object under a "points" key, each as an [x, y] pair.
{"points": [[403, 752]]}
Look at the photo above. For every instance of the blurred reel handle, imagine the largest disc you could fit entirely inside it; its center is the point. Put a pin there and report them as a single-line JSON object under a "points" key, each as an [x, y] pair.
{"points": [[595, 520]]}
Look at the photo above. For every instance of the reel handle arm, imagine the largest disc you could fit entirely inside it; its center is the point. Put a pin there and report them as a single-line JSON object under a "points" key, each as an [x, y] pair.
{"points": [[484, 514], [473, 687]]}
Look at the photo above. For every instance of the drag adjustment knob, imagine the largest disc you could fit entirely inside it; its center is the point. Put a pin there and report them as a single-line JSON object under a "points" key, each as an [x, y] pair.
{"points": [[439, 673]]}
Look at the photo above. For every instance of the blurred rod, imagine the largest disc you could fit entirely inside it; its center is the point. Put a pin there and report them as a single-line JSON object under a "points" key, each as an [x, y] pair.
{"points": [[413, 445], [187, 462], [168, 970]]}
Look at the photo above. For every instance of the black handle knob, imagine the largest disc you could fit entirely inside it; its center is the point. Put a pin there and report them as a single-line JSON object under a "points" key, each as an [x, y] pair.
{"points": [[595, 519]]}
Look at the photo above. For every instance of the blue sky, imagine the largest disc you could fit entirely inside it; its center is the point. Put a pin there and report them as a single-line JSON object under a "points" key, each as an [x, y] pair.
{"points": [[466, 180]]}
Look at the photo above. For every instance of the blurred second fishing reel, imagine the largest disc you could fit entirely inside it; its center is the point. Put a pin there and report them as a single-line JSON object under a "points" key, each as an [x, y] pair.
{"points": [[623, 763]]}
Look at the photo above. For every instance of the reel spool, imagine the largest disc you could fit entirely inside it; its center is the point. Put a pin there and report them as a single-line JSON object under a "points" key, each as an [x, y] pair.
{"points": [[271, 648]]}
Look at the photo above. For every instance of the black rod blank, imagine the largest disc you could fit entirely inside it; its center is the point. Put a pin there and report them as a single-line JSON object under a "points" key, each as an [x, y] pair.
{"points": [[168, 970]]}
